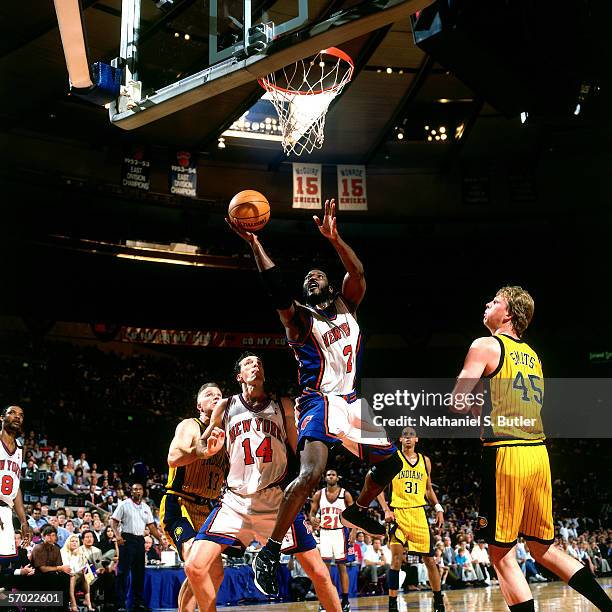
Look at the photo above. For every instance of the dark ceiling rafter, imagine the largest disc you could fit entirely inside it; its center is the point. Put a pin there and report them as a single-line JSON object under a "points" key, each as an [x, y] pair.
{"points": [[468, 126], [366, 52], [37, 31], [413, 89]]}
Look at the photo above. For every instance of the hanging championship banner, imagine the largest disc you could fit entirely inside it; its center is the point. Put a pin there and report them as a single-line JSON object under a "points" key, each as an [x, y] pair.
{"points": [[352, 193], [136, 169], [307, 185], [184, 174]]}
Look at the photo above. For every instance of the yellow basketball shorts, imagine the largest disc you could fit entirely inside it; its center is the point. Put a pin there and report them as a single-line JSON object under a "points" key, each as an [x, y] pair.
{"points": [[516, 498], [411, 530]]}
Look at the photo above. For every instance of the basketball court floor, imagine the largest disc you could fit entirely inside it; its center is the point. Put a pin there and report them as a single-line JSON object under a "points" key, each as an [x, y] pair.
{"points": [[555, 596]]}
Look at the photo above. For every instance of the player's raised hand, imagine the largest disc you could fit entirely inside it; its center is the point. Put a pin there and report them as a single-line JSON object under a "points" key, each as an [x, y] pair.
{"points": [[244, 234], [328, 226], [215, 441]]}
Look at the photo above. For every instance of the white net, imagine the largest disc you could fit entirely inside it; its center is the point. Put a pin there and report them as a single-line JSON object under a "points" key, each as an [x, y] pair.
{"points": [[301, 94]]}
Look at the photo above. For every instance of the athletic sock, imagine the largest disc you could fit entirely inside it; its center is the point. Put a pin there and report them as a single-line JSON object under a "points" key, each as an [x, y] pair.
{"points": [[584, 582], [526, 606], [274, 547], [344, 598], [438, 599], [392, 602], [393, 580]]}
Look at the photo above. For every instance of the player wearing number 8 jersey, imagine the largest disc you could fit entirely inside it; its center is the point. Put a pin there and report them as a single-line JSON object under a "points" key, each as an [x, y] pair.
{"points": [[255, 431], [516, 492], [325, 337], [10, 473]]}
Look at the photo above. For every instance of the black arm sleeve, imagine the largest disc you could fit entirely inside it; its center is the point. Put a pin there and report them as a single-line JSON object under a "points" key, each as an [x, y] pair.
{"points": [[276, 289]]}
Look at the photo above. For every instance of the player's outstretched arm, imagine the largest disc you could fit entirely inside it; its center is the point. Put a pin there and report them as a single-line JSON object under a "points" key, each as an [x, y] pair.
{"points": [[183, 446], [273, 280], [354, 284], [213, 438], [482, 359], [314, 508], [433, 498]]}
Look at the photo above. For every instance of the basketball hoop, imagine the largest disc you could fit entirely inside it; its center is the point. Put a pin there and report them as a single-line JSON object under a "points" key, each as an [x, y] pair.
{"points": [[301, 94]]}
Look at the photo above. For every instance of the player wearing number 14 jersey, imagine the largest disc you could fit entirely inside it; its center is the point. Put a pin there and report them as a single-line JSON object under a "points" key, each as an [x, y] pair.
{"points": [[326, 340], [10, 473], [255, 431]]}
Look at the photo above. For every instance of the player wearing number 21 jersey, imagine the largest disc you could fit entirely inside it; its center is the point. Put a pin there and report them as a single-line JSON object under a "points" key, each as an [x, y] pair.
{"points": [[10, 473], [255, 430]]}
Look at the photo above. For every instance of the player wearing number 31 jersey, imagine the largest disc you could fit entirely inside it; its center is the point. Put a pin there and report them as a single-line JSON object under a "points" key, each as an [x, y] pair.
{"points": [[10, 473]]}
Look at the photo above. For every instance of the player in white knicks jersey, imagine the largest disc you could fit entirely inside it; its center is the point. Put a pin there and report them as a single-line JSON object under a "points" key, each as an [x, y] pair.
{"points": [[10, 474], [255, 430], [325, 337], [335, 541]]}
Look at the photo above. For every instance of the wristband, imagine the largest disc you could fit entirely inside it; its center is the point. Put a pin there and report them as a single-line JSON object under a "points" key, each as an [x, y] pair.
{"points": [[438, 508]]}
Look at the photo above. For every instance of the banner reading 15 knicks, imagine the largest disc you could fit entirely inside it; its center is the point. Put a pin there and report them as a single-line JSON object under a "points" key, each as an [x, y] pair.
{"points": [[307, 185], [352, 194]]}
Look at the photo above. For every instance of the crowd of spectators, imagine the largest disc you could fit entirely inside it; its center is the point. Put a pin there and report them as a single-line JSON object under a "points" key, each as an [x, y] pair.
{"points": [[81, 396]]}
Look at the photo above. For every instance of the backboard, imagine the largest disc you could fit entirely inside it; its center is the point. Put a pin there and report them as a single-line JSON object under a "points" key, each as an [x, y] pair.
{"points": [[176, 53]]}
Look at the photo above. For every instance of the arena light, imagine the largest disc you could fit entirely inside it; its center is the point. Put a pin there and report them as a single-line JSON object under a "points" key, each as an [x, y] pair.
{"points": [[72, 32]]}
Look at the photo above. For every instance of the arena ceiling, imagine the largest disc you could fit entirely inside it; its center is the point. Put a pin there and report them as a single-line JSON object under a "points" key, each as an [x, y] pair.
{"points": [[397, 86]]}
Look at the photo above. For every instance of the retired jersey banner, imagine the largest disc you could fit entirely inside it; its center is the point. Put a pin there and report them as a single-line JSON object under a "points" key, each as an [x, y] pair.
{"points": [[136, 169], [352, 194], [307, 180], [186, 337], [184, 174]]}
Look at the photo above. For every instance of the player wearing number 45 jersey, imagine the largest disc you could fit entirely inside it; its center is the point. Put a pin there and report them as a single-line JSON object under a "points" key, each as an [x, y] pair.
{"points": [[326, 339], [516, 496], [10, 473], [255, 430]]}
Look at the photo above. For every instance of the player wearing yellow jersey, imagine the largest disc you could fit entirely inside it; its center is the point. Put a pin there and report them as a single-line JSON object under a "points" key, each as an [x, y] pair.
{"points": [[409, 528], [516, 486], [193, 484]]}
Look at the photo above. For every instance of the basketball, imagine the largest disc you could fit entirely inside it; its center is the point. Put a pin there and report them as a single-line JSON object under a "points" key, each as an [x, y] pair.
{"points": [[250, 210]]}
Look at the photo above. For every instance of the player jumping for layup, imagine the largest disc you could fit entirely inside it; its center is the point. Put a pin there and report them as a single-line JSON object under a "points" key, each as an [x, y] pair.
{"points": [[516, 497], [335, 539], [409, 526], [326, 340]]}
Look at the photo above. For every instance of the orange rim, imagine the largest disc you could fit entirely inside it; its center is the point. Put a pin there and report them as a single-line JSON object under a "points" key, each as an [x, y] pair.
{"points": [[334, 52]]}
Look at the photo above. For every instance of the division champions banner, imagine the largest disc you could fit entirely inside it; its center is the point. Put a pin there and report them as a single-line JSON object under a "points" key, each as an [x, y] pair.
{"points": [[352, 194], [185, 337], [307, 185], [183, 174]]}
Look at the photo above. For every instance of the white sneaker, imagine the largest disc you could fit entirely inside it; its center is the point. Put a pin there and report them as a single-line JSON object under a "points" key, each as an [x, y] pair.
{"points": [[540, 578]]}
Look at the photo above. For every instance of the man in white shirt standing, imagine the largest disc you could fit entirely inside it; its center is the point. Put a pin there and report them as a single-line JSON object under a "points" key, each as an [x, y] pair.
{"points": [[133, 515]]}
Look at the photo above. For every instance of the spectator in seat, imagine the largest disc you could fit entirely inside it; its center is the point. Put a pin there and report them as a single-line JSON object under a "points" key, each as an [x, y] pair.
{"points": [[51, 573], [464, 564], [376, 563], [17, 571], [73, 556], [104, 568], [36, 522], [62, 533], [481, 560], [151, 553], [30, 470], [93, 496]]}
